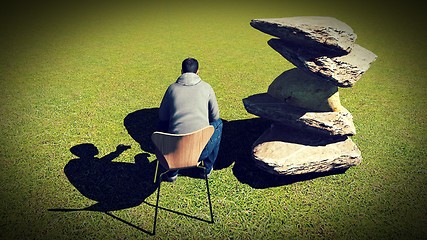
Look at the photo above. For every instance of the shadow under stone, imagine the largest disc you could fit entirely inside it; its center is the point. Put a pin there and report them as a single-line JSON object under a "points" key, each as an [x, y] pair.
{"points": [[247, 173], [236, 147]]}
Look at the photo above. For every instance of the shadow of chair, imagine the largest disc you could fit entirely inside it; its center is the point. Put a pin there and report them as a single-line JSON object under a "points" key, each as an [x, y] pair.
{"points": [[180, 151]]}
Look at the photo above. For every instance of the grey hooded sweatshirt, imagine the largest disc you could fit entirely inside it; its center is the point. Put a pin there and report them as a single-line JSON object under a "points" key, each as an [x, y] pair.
{"points": [[188, 105]]}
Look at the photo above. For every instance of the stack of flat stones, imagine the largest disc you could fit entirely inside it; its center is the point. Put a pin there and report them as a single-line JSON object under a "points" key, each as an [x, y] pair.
{"points": [[311, 129]]}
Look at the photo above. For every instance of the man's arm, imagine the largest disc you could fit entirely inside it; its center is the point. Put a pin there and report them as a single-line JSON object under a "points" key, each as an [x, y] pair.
{"points": [[163, 124], [213, 107]]}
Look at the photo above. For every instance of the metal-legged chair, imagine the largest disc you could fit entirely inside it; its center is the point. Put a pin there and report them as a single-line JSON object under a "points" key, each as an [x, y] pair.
{"points": [[180, 151]]}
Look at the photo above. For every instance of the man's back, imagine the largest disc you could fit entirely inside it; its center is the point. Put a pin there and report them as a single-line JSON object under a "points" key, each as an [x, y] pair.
{"points": [[188, 105]]}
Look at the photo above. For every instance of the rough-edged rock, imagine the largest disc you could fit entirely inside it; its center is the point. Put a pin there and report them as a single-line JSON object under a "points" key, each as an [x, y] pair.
{"points": [[285, 151], [343, 71], [328, 123], [300, 89], [327, 34]]}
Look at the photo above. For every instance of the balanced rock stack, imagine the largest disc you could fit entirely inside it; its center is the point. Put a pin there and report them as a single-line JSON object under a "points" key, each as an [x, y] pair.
{"points": [[311, 128]]}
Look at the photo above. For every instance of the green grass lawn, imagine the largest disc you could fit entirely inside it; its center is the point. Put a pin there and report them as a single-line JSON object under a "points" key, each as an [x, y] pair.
{"points": [[72, 75]]}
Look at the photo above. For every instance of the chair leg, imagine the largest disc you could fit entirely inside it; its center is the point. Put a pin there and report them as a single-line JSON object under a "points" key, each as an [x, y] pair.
{"points": [[157, 169], [157, 208], [209, 197]]}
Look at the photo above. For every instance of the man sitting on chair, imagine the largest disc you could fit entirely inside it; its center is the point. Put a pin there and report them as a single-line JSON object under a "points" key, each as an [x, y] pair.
{"points": [[188, 105]]}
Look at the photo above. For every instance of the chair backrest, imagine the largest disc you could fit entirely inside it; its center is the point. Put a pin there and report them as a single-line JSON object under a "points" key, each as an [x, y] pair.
{"points": [[181, 150]]}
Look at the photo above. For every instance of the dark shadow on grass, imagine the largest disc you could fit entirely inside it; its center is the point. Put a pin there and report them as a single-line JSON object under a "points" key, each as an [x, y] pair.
{"points": [[114, 185], [250, 174], [236, 147], [140, 125], [237, 139]]}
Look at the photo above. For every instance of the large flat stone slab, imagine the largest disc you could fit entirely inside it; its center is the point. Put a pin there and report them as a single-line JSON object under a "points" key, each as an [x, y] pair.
{"points": [[300, 89], [286, 151], [343, 71], [328, 123], [329, 35]]}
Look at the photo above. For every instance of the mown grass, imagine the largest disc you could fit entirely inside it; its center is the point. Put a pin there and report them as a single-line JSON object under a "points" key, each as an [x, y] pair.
{"points": [[72, 77]]}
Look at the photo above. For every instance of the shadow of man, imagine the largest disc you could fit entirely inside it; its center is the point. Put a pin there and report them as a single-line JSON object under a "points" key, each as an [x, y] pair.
{"points": [[114, 185]]}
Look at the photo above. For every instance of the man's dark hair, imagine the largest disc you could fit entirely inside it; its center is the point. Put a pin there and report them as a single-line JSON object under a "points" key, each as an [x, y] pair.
{"points": [[190, 65]]}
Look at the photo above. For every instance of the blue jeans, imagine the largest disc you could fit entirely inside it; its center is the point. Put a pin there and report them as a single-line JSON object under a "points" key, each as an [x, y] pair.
{"points": [[210, 152]]}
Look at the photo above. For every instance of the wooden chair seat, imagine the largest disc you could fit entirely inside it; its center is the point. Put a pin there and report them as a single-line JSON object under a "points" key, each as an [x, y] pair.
{"points": [[176, 151]]}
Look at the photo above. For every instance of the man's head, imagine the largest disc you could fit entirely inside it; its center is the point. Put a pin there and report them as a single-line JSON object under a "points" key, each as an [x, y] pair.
{"points": [[190, 65]]}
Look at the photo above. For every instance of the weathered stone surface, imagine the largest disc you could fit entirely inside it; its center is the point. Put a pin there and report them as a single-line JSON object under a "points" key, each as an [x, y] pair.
{"points": [[300, 89], [286, 151], [327, 34], [343, 71], [329, 123]]}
